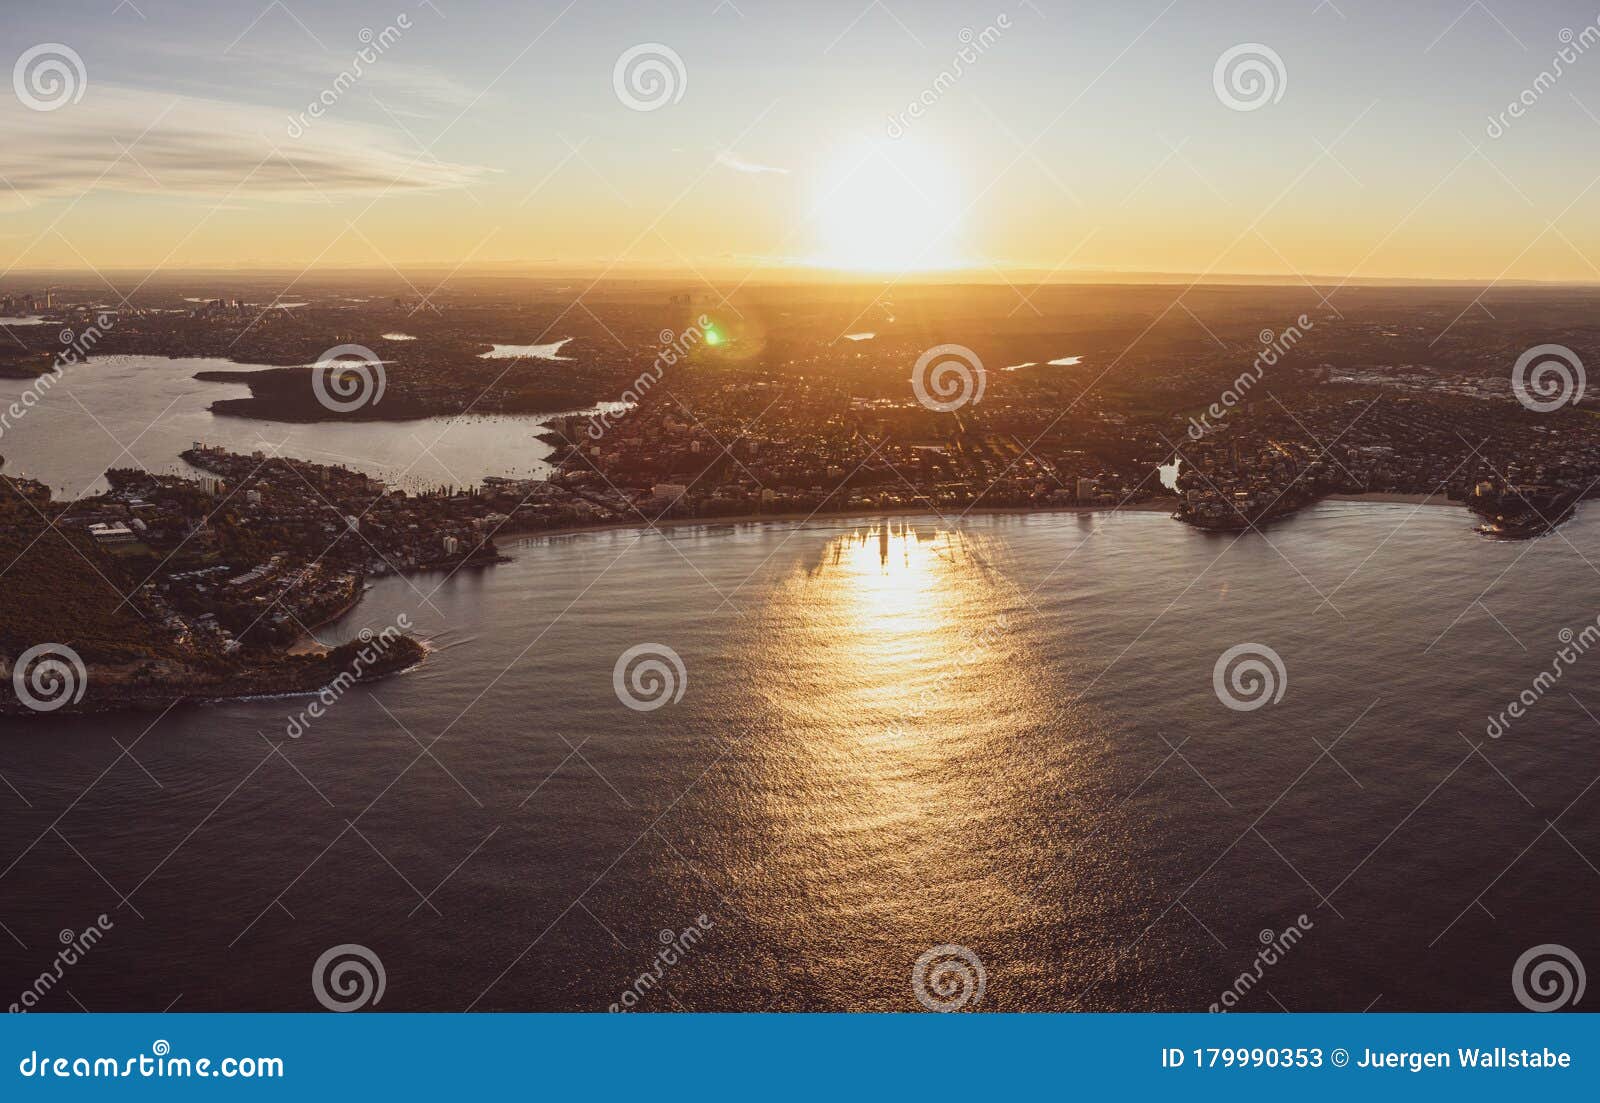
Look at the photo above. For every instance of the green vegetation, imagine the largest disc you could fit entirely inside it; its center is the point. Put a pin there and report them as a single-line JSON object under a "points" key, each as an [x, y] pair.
{"points": [[53, 587]]}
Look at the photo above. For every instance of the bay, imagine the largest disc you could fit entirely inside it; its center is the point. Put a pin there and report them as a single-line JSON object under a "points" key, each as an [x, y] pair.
{"points": [[142, 411], [1002, 733]]}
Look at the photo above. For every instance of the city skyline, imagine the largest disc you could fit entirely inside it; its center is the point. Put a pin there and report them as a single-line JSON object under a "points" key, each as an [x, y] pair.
{"points": [[886, 141]]}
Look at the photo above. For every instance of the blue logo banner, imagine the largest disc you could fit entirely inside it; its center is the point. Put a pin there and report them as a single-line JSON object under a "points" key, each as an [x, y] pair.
{"points": [[742, 1057]]}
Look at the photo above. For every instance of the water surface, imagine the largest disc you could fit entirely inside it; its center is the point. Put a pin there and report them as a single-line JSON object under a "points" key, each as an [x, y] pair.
{"points": [[1001, 733], [132, 411]]}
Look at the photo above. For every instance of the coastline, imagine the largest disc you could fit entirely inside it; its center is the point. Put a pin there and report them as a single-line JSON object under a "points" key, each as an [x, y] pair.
{"points": [[524, 532], [308, 649], [1242, 523], [1436, 499], [126, 688], [1156, 505], [308, 644]]}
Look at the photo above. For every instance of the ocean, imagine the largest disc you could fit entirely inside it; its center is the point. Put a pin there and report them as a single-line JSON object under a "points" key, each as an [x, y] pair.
{"points": [[854, 743]]}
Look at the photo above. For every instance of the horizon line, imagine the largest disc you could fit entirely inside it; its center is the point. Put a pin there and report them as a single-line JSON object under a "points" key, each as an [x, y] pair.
{"points": [[770, 273]]}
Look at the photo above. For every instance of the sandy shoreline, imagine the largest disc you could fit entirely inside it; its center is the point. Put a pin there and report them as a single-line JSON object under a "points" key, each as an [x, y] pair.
{"points": [[308, 644]]}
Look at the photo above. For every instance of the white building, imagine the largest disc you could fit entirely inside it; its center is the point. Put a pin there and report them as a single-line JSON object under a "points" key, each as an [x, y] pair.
{"points": [[115, 533]]}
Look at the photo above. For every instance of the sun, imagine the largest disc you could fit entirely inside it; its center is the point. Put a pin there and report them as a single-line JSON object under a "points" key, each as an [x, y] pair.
{"points": [[888, 208]]}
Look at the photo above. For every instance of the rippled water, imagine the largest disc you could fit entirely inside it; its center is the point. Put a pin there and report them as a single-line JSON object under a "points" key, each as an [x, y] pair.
{"points": [[1001, 734], [127, 411]]}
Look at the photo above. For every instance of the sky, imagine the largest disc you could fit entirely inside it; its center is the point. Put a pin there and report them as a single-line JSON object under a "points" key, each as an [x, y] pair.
{"points": [[1359, 139]]}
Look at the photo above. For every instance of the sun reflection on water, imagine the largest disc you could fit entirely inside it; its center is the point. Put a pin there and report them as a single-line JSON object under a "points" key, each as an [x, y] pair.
{"points": [[893, 679], [887, 583]]}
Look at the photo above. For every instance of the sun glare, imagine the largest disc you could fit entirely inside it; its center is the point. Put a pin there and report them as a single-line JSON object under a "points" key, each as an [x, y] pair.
{"points": [[888, 209]]}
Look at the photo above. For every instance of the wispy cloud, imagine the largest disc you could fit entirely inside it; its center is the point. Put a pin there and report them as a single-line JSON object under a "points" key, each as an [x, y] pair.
{"points": [[131, 140], [729, 159]]}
